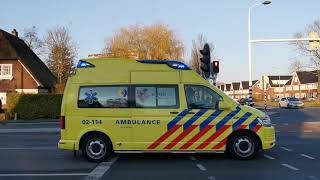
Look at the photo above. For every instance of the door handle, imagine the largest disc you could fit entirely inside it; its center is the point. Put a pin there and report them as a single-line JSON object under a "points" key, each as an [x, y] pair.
{"points": [[174, 112]]}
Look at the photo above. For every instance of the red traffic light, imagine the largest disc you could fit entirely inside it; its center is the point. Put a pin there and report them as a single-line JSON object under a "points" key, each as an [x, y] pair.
{"points": [[215, 67]]}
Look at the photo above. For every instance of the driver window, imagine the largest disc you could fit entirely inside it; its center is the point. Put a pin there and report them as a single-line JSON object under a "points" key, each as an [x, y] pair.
{"points": [[201, 97]]}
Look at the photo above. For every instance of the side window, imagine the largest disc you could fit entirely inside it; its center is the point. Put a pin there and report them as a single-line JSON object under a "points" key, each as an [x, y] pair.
{"points": [[103, 97], [283, 99], [201, 97], [161, 96]]}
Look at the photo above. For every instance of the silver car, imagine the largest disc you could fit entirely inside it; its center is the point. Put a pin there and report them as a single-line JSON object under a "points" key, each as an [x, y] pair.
{"points": [[290, 102]]}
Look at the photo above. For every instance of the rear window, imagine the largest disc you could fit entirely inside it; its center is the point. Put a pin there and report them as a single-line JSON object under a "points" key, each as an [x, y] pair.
{"points": [[103, 97], [293, 99]]}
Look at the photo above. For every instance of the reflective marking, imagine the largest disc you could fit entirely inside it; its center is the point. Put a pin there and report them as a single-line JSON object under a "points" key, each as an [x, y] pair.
{"points": [[194, 118], [180, 137], [164, 137], [101, 169], [268, 157], [196, 137], [307, 156], [286, 149], [201, 167], [222, 122], [211, 178], [172, 123], [211, 118], [213, 137], [51, 174], [290, 167], [221, 143], [241, 120]]}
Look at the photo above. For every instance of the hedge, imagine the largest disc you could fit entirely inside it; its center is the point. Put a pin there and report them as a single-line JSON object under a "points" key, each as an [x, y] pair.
{"points": [[34, 106]]}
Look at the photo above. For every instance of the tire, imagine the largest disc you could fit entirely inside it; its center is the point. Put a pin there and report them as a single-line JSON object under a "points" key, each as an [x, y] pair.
{"points": [[243, 146], [96, 148]]}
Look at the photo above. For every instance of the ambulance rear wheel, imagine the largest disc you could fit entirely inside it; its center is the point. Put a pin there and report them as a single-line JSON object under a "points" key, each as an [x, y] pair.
{"points": [[243, 146], [96, 148]]}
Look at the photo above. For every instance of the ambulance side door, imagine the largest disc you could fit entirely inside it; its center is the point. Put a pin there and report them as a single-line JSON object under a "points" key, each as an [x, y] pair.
{"points": [[153, 107]]}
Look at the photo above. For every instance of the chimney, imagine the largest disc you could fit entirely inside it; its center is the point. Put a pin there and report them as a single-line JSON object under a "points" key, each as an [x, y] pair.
{"points": [[14, 32]]}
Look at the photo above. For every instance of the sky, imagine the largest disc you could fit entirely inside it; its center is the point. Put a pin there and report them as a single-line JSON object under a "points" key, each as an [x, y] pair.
{"points": [[223, 22]]}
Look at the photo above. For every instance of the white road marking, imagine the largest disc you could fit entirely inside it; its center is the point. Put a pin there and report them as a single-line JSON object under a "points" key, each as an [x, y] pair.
{"points": [[101, 169], [307, 156], [29, 148], [268, 157], [201, 167], [307, 131], [292, 131], [52, 174], [290, 167], [313, 177], [211, 178], [286, 124], [286, 149], [277, 131], [192, 158]]}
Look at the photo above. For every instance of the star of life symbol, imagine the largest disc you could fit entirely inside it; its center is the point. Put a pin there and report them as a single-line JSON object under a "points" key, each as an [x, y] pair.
{"points": [[91, 97]]}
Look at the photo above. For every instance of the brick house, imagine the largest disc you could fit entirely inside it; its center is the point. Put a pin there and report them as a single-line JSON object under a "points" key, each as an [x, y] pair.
{"points": [[21, 70], [275, 85], [303, 84]]}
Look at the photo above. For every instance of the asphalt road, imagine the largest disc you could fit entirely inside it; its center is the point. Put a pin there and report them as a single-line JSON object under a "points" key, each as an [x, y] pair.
{"points": [[34, 155]]}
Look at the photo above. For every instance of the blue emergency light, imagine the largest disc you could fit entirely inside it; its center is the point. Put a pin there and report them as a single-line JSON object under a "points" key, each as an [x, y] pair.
{"points": [[84, 64], [172, 64]]}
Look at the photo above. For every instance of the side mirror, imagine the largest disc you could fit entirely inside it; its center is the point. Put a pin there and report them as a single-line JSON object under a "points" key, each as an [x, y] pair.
{"points": [[224, 106]]}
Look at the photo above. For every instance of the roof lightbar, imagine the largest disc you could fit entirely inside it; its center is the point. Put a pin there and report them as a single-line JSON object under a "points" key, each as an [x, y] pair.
{"points": [[172, 64]]}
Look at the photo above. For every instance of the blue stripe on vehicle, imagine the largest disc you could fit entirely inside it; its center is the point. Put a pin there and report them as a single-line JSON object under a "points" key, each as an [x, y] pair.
{"points": [[212, 117], [174, 121], [227, 118], [241, 120], [194, 118], [253, 124]]}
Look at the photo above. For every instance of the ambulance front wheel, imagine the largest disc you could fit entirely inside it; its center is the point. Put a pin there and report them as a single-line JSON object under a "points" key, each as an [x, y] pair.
{"points": [[243, 145], [96, 147]]}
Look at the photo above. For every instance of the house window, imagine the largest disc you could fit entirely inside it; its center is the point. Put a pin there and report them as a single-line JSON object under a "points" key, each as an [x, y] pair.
{"points": [[5, 71]]}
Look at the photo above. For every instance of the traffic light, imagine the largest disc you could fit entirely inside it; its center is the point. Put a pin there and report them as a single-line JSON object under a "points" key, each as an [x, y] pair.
{"points": [[314, 44], [205, 60], [215, 67]]}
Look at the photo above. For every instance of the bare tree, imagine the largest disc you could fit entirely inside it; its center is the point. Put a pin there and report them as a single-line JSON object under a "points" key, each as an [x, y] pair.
{"points": [[61, 54], [198, 44], [303, 49], [296, 65], [31, 38], [155, 41]]}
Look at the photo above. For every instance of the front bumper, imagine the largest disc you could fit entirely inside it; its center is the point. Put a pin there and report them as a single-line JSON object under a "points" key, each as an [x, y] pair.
{"points": [[268, 138], [67, 144], [295, 105]]}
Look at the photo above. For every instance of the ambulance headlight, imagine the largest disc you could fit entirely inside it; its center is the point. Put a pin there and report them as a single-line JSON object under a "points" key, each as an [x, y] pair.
{"points": [[265, 121]]}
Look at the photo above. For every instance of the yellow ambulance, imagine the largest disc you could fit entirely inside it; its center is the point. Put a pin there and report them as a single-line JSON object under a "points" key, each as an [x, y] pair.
{"points": [[121, 105]]}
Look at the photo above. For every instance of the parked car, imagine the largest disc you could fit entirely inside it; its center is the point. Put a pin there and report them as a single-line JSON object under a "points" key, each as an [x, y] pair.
{"points": [[244, 101], [290, 102], [275, 100]]}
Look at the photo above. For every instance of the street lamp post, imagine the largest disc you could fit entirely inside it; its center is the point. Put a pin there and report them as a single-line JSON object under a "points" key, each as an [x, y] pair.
{"points": [[250, 48]]}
